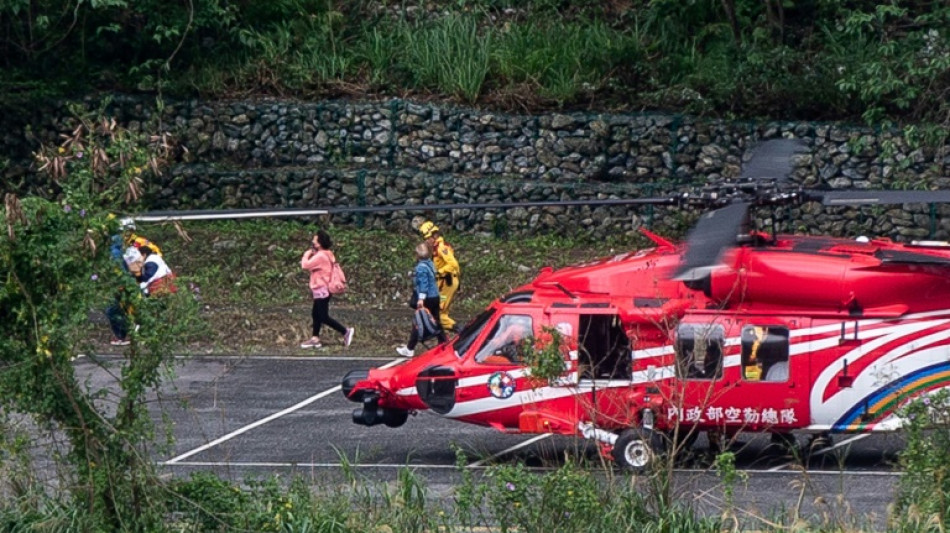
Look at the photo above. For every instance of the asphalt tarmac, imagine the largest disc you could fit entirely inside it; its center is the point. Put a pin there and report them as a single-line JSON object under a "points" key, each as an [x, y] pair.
{"points": [[247, 417]]}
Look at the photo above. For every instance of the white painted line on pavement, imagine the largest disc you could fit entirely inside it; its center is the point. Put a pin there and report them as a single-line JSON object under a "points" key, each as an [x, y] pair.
{"points": [[265, 420], [823, 451], [308, 465], [397, 466], [253, 425], [506, 451]]}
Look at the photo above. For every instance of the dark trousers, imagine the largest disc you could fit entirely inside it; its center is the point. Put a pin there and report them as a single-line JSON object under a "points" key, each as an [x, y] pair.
{"points": [[432, 304], [118, 322], [321, 315]]}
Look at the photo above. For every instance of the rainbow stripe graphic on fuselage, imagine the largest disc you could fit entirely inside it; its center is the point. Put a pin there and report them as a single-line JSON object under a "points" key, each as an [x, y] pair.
{"points": [[884, 401]]}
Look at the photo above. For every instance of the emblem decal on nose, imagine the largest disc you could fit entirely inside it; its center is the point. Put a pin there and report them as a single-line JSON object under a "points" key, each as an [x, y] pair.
{"points": [[501, 385]]}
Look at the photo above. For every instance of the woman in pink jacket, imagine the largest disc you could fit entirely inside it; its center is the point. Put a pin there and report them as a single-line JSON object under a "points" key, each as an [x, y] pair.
{"points": [[318, 260]]}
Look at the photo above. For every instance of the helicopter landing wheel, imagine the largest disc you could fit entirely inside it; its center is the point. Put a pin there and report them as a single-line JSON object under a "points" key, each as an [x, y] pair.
{"points": [[783, 442], [819, 442], [637, 450]]}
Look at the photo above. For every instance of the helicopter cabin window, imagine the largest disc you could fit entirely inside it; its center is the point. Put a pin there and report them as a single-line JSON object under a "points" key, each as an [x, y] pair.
{"points": [[765, 353], [604, 348], [506, 341], [699, 351]]}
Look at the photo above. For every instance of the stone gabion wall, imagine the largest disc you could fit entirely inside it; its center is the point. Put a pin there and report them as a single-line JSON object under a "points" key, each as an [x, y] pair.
{"points": [[336, 153]]}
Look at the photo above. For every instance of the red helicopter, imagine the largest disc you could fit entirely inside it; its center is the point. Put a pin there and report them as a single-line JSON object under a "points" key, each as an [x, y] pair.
{"points": [[734, 330]]}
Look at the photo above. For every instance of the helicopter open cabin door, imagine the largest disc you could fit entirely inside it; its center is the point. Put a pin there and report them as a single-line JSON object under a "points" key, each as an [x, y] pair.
{"points": [[741, 373], [599, 346]]}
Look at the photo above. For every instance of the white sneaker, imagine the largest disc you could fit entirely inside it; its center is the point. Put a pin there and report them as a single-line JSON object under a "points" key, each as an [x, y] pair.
{"points": [[405, 351], [348, 336]]}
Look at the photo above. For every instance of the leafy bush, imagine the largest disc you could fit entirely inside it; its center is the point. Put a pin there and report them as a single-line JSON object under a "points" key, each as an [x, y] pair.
{"points": [[897, 59], [56, 265], [923, 499], [206, 502], [545, 355]]}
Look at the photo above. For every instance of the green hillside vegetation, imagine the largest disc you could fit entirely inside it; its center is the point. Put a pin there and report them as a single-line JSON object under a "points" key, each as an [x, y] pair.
{"points": [[817, 59]]}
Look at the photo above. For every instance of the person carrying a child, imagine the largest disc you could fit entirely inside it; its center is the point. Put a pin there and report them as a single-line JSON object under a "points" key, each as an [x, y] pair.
{"points": [[126, 250]]}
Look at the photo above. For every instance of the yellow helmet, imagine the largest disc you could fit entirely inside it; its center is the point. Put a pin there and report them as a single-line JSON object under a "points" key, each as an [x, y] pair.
{"points": [[427, 228]]}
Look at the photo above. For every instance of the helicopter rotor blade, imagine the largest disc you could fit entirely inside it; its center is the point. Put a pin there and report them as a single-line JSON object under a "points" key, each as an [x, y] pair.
{"points": [[225, 214], [879, 197], [718, 230], [772, 159], [714, 232]]}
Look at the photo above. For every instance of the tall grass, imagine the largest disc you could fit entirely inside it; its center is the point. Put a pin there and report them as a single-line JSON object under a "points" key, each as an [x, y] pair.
{"points": [[456, 54], [377, 49], [503, 498], [297, 54], [449, 54], [560, 59], [684, 55], [257, 262]]}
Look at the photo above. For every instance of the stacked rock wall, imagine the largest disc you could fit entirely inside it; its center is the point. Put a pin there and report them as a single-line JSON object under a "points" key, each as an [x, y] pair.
{"points": [[299, 154]]}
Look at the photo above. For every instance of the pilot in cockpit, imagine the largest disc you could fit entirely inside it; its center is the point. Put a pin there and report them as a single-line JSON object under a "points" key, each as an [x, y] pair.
{"points": [[502, 347]]}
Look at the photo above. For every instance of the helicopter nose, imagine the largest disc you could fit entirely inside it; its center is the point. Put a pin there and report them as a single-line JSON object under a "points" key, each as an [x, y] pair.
{"points": [[350, 380]]}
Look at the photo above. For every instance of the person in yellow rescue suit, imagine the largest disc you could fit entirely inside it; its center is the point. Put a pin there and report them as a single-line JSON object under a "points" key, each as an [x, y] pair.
{"points": [[447, 270], [130, 238]]}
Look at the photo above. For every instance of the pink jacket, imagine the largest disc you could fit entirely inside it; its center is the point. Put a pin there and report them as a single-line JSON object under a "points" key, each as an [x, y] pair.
{"points": [[319, 264]]}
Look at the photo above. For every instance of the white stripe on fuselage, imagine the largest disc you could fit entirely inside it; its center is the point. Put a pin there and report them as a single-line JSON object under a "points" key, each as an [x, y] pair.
{"points": [[529, 396]]}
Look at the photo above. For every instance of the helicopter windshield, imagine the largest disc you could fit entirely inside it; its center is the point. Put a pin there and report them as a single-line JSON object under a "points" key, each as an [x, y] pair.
{"points": [[471, 331], [503, 343]]}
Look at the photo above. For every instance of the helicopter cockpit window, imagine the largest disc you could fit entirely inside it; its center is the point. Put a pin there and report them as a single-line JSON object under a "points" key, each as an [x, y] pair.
{"points": [[503, 345], [699, 351], [471, 331], [765, 353]]}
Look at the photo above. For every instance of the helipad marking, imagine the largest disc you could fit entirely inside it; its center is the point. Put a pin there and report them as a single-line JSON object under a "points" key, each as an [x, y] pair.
{"points": [[266, 464], [478, 465], [506, 451], [261, 422]]}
